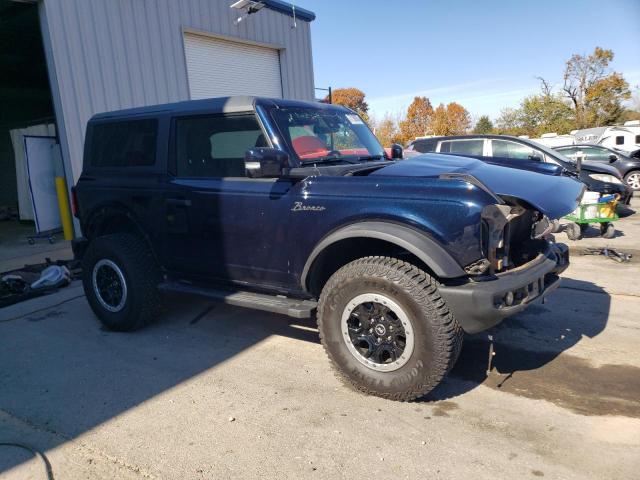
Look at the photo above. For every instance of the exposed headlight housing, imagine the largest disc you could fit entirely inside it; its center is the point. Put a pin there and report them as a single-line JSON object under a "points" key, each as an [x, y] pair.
{"points": [[605, 177]]}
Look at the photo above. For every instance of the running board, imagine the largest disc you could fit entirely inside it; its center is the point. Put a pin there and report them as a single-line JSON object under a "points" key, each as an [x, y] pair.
{"points": [[268, 303]]}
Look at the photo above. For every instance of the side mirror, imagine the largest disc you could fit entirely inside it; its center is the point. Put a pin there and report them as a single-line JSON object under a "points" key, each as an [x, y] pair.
{"points": [[612, 158], [263, 162], [535, 157], [396, 151]]}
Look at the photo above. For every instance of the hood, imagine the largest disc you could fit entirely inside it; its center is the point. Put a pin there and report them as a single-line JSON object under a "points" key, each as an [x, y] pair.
{"points": [[595, 167], [553, 195]]}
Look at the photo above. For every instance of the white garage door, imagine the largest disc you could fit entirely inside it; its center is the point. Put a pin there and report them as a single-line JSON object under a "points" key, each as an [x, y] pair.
{"points": [[220, 68]]}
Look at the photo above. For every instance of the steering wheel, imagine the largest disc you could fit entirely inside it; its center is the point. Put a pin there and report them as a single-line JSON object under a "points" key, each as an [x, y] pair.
{"points": [[337, 153]]}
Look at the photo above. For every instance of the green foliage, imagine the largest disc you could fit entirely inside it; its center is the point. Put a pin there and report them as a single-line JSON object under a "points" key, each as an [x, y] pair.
{"points": [[483, 126]]}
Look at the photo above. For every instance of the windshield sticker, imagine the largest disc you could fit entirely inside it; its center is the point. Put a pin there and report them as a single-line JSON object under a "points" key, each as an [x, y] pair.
{"points": [[354, 119]]}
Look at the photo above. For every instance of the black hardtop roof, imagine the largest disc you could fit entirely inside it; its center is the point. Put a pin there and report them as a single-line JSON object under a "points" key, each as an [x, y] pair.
{"points": [[236, 104]]}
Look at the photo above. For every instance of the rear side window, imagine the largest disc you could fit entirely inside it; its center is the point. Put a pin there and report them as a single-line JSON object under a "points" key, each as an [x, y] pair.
{"points": [[620, 140], [124, 144], [466, 147], [425, 146], [215, 146]]}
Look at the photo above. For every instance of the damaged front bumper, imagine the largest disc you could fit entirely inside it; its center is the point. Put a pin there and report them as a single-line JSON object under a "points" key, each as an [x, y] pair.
{"points": [[479, 305]]}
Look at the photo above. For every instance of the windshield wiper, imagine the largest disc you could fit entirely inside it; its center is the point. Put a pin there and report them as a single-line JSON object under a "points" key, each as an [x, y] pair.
{"points": [[326, 160], [367, 158]]}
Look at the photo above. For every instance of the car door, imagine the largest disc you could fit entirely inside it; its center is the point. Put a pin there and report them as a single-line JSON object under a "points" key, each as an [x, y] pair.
{"points": [[514, 154], [219, 223]]}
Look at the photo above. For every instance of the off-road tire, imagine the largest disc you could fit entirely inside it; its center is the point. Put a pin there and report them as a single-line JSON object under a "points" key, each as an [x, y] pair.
{"points": [[134, 258], [437, 334]]}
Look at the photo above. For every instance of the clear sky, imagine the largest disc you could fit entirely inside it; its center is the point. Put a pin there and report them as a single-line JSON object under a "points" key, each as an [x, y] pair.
{"points": [[484, 54]]}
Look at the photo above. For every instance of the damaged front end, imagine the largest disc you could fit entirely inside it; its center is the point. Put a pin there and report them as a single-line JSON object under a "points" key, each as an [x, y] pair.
{"points": [[521, 263], [511, 235]]}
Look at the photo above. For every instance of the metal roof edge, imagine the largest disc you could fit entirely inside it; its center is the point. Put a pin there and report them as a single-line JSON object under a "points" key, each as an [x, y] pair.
{"points": [[288, 9]]}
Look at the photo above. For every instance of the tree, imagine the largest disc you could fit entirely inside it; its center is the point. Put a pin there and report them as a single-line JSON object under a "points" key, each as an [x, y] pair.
{"points": [[387, 131], [604, 100], [595, 93], [546, 113], [418, 119], [483, 126], [508, 123], [452, 119], [352, 98]]}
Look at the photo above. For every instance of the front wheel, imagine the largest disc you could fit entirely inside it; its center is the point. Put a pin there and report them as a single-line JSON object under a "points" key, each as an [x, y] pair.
{"points": [[386, 329]]}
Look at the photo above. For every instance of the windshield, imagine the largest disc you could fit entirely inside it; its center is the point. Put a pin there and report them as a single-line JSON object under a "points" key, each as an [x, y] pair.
{"points": [[317, 134], [555, 155]]}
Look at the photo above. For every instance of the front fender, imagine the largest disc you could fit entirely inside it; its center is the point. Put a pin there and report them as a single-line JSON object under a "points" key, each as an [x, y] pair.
{"points": [[415, 242]]}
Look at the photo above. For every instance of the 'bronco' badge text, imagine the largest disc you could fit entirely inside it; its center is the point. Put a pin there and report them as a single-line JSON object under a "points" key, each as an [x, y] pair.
{"points": [[299, 207]]}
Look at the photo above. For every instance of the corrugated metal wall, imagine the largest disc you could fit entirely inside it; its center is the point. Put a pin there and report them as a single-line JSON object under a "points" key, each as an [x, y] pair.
{"points": [[112, 54]]}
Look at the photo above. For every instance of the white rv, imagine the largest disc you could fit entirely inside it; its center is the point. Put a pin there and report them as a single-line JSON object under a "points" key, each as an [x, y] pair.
{"points": [[554, 140], [620, 137]]}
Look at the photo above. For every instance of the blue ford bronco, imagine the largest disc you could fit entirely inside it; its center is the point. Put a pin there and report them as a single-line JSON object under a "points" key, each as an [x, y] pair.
{"points": [[294, 207]]}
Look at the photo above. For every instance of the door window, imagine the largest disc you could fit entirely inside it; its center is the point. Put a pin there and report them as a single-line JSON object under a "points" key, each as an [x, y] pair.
{"points": [[597, 154], [465, 147], [518, 151], [214, 146]]}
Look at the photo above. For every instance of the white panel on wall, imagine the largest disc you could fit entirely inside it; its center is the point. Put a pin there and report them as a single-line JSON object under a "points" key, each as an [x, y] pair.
{"points": [[220, 68]]}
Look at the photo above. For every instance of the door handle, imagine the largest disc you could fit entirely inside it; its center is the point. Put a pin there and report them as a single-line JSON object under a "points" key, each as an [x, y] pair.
{"points": [[178, 202]]}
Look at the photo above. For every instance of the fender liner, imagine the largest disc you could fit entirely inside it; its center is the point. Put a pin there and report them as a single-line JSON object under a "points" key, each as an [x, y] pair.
{"points": [[415, 242]]}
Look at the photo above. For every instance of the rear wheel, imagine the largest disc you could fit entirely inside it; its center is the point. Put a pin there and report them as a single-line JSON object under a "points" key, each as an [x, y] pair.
{"points": [[120, 279], [386, 329]]}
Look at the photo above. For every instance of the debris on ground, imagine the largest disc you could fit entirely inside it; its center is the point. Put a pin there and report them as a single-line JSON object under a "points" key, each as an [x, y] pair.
{"points": [[619, 257], [33, 281]]}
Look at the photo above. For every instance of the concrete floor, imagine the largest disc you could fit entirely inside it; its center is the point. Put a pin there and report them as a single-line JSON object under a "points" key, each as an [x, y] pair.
{"points": [[16, 252], [562, 403]]}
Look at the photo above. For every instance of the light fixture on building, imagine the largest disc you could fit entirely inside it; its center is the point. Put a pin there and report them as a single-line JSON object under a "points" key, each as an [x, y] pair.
{"points": [[248, 7]]}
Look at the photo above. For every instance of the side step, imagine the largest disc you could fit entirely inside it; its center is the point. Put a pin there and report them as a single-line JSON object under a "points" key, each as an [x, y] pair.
{"points": [[285, 306]]}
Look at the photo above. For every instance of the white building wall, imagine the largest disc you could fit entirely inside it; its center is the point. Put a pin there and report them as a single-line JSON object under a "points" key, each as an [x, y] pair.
{"points": [[112, 54]]}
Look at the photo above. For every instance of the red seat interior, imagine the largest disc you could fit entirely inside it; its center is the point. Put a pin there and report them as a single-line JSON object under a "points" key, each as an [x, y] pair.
{"points": [[308, 144]]}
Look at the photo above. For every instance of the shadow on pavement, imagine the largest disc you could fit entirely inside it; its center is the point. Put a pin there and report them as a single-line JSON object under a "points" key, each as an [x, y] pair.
{"points": [[68, 375], [531, 359]]}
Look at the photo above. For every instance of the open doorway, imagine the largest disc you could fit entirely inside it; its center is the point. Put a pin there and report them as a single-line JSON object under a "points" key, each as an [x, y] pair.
{"points": [[25, 102]]}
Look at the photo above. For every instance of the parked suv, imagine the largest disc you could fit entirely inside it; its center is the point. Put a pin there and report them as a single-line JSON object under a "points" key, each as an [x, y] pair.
{"points": [[523, 153], [293, 207], [628, 167]]}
